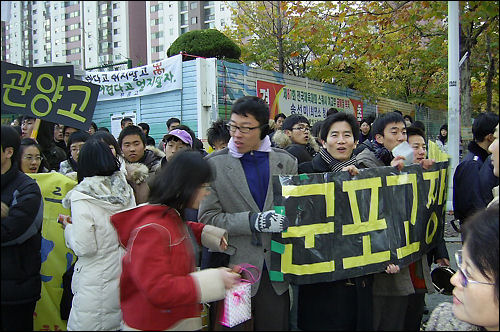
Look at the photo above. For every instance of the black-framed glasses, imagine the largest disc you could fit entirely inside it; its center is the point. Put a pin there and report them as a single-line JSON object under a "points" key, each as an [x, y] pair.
{"points": [[464, 281], [302, 129], [244, 130]]}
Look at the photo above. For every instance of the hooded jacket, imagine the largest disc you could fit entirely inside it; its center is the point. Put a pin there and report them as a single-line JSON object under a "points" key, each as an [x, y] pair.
{"points": [[302, 152], [159, 288], [92, 237]]}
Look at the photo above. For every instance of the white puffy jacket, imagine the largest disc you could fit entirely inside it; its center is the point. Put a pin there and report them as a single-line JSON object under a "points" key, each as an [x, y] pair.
{"points": [[96, 278]]}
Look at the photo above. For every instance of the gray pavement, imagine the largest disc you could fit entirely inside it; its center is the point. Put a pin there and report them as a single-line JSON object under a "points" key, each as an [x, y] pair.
{"points": [[453, 243]]}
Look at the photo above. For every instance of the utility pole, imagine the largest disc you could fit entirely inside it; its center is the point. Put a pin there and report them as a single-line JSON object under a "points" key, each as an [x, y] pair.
{"points": [[453, 96]]}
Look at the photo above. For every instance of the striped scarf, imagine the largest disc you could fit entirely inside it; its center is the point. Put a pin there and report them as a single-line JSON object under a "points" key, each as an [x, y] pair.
{"points": [[334, 164]]}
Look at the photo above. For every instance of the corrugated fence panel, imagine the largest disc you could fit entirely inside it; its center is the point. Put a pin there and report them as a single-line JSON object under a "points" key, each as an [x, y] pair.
{"points": [[237, 80], [156, 109]]}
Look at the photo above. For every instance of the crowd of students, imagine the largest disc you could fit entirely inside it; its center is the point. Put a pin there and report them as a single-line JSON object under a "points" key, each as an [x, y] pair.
{"points": [[141, 214]]}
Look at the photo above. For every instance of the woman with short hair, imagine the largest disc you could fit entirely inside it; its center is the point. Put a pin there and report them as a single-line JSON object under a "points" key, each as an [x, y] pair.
{"points": [[475, 296]]}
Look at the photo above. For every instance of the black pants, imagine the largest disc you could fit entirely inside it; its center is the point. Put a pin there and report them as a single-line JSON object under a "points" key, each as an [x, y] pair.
{"points": [[270, 312], [389, 312], [414, 311], [18, 317]]}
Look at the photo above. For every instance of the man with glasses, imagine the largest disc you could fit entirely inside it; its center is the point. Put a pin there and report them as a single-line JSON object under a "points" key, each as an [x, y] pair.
{"points": [[242, 203], [295, 137]]}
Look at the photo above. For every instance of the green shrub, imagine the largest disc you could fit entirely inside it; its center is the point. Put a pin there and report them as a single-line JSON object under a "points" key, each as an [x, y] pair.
{"points": [[208, 43]]}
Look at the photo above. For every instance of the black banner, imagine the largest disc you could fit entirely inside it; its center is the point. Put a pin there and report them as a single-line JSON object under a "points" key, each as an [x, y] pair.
{"points": [[49, 94], [343, 226]]}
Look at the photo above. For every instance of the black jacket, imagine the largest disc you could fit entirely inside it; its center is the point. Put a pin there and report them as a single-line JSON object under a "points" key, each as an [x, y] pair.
{"points": [[337, 305], [467, 196], [21, 238]]}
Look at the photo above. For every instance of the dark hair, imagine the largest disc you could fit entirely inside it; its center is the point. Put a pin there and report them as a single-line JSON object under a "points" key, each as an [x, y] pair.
{"points": [[124, 120], [96, 158], [316, 128], [172, 120], [27, 142], [399, 112], [144, 126], [107, 138], [103, 129], [331, 111], [480, 235], [218, 132], [255, 106], [408, 117], [176, 184], [365, 120], [412, 130], [66, 127], [18, 129], [131, 130], [383, 120], [45, 136], [442, 138], [419, 124], [340, 116], [10, 139], [93, 125], [77, 136], [292, 120], [483, 125], [279, 115]]}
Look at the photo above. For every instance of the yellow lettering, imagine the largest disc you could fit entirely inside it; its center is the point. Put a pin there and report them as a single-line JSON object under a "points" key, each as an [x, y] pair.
{"points": [[397, 180], [288, 267], [367, 257], [442, 188], [373, 223], [308, 232], [434, 219], [325, 189], [47, 100], [431, 176]]}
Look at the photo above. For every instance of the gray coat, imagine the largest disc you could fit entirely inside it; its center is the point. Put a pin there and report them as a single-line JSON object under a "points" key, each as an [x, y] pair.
{"points": [[230, 203]]}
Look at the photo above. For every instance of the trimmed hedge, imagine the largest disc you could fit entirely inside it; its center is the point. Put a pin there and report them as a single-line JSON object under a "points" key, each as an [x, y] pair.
{"points": [[208, 43]]}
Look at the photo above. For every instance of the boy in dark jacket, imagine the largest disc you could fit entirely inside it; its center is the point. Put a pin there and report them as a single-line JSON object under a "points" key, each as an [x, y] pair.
{"points": [[22, 214]]}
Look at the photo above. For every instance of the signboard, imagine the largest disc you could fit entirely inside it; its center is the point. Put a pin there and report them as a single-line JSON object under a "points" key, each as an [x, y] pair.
{"points": [[310, 103], [161, 76], [56, 257], [49, 94], [343, 226], [116, 119]]}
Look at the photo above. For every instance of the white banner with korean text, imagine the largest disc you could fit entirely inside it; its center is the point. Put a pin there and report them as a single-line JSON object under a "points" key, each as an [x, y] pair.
{"points": [[161, 76]]}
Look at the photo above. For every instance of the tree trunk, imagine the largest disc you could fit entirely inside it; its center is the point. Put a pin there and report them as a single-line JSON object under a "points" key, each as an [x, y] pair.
{"points": [[279, 27], [491, 74]]}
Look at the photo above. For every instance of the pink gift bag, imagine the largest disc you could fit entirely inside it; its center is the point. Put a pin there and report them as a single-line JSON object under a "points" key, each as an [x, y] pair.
{"points": [[238, 301]]}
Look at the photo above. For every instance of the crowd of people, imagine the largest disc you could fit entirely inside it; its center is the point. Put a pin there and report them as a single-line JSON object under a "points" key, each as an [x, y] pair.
{"points": [[161, 229]]}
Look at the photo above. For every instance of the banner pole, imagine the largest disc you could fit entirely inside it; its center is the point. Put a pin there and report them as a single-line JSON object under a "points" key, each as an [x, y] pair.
{"points": [[36, 126]]}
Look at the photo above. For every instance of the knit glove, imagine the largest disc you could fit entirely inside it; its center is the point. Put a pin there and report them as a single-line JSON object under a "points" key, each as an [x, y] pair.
{"points": [[268, 221]]}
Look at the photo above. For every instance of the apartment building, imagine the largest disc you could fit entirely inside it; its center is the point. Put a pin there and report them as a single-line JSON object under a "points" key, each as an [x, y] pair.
{"points": [[91, 34]]}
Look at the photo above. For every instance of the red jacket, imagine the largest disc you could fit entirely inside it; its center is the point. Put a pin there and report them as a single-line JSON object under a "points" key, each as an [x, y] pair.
{"points": [[156, 290]]}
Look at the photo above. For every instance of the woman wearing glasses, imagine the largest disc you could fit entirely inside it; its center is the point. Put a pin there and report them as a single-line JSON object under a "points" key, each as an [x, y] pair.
{"points": [[475, 296], [30, 157], [295, 137]]}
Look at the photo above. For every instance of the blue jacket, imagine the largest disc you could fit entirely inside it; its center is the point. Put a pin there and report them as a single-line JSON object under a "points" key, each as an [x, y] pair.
{"points": [[21, 238]]}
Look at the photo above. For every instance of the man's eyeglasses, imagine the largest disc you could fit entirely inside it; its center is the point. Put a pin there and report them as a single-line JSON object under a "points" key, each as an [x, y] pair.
{"points": [[243, 130], [31, 158], [464, 281], [303, 129]]}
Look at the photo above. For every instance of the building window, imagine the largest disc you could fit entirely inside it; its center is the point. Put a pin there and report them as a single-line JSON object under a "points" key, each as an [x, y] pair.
{"points": [[116, 44], [209, 14], [194, 20], [209, 25], [171, 31], [184, 6], [157, 49], [115, 18], [116, 31], [170, 18], [184, 30], [34, 11], [115, 5], [184, 20], [193, 5], [157, 35]]}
